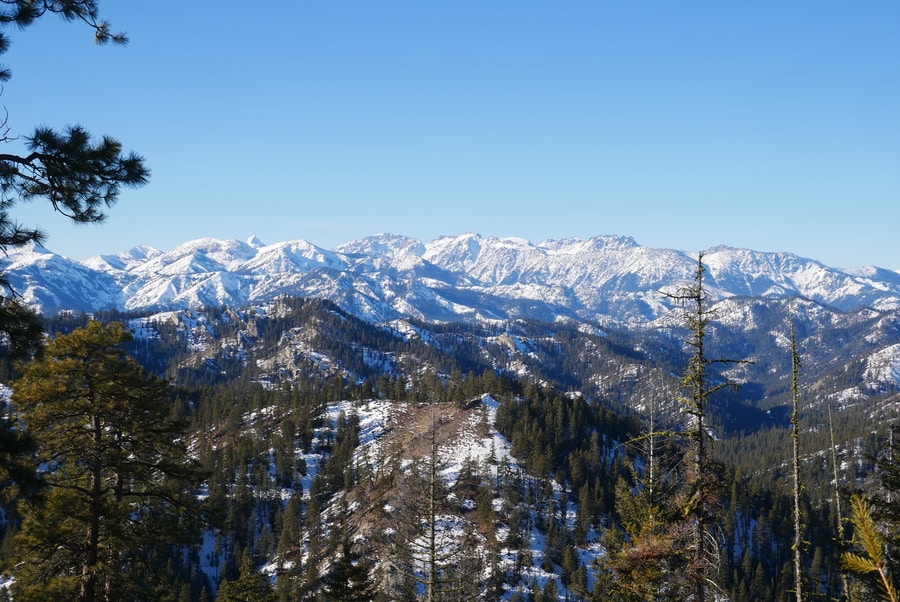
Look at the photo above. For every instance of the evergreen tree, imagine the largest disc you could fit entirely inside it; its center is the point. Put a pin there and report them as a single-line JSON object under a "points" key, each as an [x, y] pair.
{"points": [[118, 482], [20, 328], [349, 579], [873, 560], [643, 565], [250, 586], [444, 563], [887, 502], [80, 177], [18, 478], [700, 497]]}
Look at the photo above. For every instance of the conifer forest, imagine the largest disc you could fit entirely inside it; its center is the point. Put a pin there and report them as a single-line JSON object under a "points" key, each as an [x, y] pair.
{"points": [[290, 450], [302, 454]]}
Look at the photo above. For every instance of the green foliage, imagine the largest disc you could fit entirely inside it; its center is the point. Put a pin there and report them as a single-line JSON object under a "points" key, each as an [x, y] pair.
{"points": [[285, 483], [886, 502], [20, 328], [426, 548], [650, 562], [349, 579], [250, 585], [79, 177], [873, 559], [18, 478], [120, 492]]}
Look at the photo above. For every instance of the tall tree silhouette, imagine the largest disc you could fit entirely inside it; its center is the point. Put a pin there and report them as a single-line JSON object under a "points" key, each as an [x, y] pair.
{"points": [[701, 495], [114, 462]]}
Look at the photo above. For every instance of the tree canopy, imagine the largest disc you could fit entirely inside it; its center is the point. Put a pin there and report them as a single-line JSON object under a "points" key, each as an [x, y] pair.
{"points": [[79, 175], [120, 487]]}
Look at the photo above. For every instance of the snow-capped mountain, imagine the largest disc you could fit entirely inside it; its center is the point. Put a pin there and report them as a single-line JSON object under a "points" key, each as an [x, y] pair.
{"points": [[50, 282], [465, 277]]}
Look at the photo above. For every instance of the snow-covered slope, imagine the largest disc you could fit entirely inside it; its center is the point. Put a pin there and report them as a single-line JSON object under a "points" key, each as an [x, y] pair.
{"points": [[451, 278], [47, 281]]}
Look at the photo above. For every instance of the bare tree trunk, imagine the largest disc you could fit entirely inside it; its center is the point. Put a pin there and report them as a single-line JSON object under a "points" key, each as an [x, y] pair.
{"points": [[837, 502], [431, 585], [795, 436], [695, 406]]}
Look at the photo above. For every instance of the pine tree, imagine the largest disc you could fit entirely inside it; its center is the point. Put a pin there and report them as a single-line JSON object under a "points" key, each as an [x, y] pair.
{"points": [[445, 564], [250, 585], [80, 177], [349, 579], [887, 502], [650, 563], [18, 478], [20, 327], [873, 560], [642, 567], [119, 486], [700, 497]]}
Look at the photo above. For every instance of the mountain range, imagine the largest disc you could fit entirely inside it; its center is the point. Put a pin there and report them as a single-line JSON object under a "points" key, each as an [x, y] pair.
{"points": [[258, 338], [457, 278]]}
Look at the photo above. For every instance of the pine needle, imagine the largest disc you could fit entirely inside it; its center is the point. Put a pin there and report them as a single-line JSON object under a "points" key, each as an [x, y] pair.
{"points": [[866, 535]]}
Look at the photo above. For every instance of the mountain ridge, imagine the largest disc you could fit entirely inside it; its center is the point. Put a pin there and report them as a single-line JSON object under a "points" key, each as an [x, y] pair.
{"points": [[452, 278]]}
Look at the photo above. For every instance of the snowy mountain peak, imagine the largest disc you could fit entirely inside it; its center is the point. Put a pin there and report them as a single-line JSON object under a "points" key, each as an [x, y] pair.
{"points": [[384, 245], [123, 261], [34, 248], [388, 276], [612, 242]]}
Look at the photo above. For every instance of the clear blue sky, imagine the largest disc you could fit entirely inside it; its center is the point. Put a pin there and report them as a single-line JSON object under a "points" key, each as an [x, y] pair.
{"points": [[770, 125]]}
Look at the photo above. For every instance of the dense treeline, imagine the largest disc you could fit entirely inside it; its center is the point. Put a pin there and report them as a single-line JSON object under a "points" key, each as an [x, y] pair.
{"points": [[281, 480]]}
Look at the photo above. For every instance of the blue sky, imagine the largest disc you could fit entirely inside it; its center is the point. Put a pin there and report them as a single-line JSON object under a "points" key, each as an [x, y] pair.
{"points": [[768, 125]]}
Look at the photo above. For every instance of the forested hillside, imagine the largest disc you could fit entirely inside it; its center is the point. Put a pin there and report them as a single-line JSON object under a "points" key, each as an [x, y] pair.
{"points": [[468, 418], [323, 457]]}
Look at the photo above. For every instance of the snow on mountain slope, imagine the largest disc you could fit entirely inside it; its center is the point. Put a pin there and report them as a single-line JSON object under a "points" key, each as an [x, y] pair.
{"points": [[52, 283], [398, 250], [293, 256], [883, 367], [122, 262], [465, 277], [755, 274], [197, 256]]}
